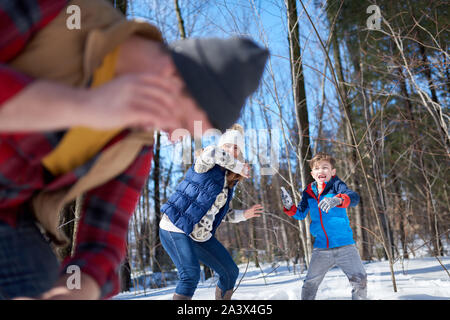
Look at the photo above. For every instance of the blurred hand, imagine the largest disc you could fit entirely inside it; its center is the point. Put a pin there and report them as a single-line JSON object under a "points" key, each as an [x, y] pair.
{"points": [[134, 100], [246, 171], [254, 211]]}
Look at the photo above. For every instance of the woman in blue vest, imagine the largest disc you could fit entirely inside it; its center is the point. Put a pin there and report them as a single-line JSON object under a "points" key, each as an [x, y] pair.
{"points": [[193, 213]]}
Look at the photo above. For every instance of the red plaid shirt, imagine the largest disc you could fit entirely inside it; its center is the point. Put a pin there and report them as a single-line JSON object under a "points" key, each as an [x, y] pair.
{"points": [[101, 237]]}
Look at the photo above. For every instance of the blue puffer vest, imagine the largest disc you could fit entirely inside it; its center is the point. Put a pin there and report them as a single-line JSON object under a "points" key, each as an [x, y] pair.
{"points": [[194, 196]]}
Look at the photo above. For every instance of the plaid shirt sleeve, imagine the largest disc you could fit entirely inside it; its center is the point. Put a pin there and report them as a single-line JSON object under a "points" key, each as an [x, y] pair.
{"points": [[102, 231], [101, 236], [11, 83], [19, 20]]}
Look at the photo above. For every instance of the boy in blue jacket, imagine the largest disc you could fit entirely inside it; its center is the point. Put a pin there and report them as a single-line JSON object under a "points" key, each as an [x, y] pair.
{"points": [[326, 200]]}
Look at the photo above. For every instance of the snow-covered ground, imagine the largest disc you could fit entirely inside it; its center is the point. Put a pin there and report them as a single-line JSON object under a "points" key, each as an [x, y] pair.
{"points": [[417, 279]]}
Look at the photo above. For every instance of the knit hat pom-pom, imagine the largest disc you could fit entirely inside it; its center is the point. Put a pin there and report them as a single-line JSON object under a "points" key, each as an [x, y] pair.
{"points": [[237, 127]]}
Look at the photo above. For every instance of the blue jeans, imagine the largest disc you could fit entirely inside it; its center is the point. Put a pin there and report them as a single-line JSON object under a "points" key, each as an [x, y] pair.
{"points": [[186, 255], [347, 258], [28, 266]]}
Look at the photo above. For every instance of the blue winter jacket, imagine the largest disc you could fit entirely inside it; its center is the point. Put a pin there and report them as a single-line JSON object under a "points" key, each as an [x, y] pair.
{"points": [[194, 196], [331, 229]]}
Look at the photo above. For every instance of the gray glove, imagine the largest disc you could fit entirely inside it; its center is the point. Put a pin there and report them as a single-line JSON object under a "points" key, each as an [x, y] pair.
{"points": [[286, 199], [328, 203]]}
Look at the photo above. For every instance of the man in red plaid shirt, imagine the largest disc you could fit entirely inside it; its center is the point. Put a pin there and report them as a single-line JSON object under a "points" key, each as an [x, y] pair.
{"points": [[150, 90], [44, 110]]}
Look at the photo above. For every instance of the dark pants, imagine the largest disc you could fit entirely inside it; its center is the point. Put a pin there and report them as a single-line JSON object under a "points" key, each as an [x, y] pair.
{"points": [[186, 255], [28, 266]]}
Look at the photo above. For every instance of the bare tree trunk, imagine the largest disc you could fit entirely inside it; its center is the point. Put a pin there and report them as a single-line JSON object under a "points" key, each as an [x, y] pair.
{"points": [[351, 152], [125, 273], [157, 247], [267, 241], [301, 110], [282, 226], [400, 212], [264, 186], [181, 28], [253, 235], [188, 140]]}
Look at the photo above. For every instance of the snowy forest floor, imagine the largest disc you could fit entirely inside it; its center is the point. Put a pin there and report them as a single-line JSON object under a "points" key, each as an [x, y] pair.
{"points": [[420, 278]]}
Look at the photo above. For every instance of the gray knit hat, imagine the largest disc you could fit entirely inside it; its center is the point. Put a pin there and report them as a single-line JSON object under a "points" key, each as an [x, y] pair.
{"points": [[220, 74]]}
